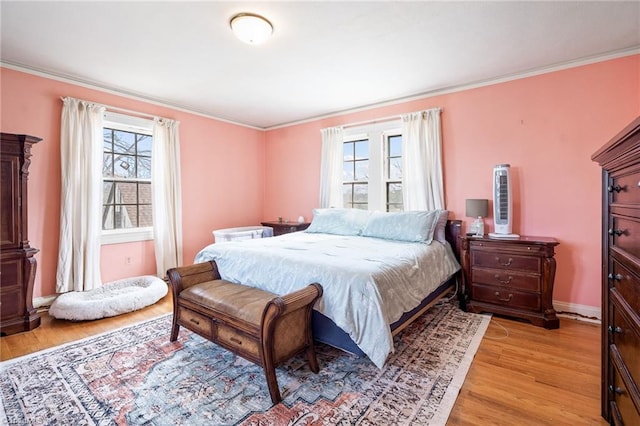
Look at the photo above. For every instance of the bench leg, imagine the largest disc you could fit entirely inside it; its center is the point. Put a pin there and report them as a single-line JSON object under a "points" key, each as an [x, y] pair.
{"points": [[311, 359], [175, 328], [272, 383]]}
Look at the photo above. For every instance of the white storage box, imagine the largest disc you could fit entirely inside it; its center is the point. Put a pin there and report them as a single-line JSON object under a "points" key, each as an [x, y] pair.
{"points": [[242, 233]]}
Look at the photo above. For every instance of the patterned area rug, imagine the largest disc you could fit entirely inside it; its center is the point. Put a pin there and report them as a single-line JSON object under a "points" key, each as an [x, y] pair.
{"points": [[135, 376]]}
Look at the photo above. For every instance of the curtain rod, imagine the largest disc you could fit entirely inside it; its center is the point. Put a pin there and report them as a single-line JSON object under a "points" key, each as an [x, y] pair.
{"points": [[381, 120], [118, 109]]}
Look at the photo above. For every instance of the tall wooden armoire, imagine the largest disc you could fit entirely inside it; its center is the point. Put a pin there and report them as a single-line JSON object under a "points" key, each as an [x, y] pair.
{"points": [[17, 264]]}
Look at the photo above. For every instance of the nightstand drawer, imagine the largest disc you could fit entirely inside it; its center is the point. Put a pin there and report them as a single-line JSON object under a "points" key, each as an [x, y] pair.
{"points": [[510, 279], [506, 297], [500, 260]]}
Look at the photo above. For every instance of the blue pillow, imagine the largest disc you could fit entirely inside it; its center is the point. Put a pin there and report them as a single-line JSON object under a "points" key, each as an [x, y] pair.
{"points": [[338, 221], [412, 226]]}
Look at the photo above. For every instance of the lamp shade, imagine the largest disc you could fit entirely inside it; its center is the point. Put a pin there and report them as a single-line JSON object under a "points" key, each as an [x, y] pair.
{"points": [[251, 28], [477, 207]]}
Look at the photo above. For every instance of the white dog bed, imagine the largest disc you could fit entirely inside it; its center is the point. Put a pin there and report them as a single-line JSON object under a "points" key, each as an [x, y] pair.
{"points": [[114, 298]]}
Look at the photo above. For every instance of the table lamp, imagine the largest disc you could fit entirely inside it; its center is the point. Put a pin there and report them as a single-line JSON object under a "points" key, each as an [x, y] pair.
{"points": [[479, 209]]}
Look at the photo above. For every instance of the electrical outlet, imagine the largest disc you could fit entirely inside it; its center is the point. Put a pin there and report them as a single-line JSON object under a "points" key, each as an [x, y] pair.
{"points": [[127, 260]]}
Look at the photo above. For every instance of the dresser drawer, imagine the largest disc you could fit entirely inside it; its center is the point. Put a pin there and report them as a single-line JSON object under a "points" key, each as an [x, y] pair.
{"points": [[622, 408], [625, 187], [624, 337], [626, 284], [625, 234], [510, 279], [198, 323], [500, 260], [237, 341], [506, 297]]}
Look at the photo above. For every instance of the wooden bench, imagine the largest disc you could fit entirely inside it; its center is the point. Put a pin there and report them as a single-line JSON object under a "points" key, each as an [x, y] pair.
{"points": [[260, 326]]}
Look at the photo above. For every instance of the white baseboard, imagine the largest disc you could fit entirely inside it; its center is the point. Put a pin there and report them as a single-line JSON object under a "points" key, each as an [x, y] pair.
{"points": [[43, 302], [586, 313]]}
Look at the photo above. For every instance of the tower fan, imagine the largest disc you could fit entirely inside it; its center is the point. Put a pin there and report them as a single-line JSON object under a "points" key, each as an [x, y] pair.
{"points": [[502, 202]]}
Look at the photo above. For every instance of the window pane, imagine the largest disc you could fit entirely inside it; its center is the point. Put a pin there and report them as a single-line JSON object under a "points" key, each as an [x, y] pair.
{"points": [[124, 166], [362, 170], [107, 164], [395, 169], [124, 142], [107, 217], [395, 146], [107, 142], [361, 193], [394, 208], [146, 217], [394, 194], [126, 193], [347, 194], [361, 206], [144, 193], [347, 171], [126, 216], [107, 192], [348, 151], [144, 167], [144, 145], [362, 150]]}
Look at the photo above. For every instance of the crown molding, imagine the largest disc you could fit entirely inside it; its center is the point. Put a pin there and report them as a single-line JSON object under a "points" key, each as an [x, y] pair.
{"points": [[429, 94]]}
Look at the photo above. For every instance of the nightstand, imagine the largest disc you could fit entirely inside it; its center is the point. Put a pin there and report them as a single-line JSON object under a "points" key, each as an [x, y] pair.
{"points": [[280, 228], [512, 277]]}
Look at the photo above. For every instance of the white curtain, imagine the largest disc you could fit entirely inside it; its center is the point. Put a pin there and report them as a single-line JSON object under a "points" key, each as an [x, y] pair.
{"points": [[81, 196], [422, 186], [166, 195], [331, 167]]}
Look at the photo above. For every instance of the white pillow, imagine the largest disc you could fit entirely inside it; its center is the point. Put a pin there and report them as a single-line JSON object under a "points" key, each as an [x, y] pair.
{"points": [[338, 221], [412, 226]]}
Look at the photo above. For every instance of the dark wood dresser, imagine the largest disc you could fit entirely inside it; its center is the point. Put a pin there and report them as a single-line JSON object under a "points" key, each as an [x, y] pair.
{"points": [[620, 161], [512, 277], [280, 228], [17, 265]]}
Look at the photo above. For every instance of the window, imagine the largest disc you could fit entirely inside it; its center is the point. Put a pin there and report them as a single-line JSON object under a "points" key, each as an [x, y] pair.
{"points": [[126, 175], [372, 168]]}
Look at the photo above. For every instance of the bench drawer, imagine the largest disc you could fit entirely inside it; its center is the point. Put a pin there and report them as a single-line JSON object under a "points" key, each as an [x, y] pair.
{"points": [[196, 322], [237, 341]]}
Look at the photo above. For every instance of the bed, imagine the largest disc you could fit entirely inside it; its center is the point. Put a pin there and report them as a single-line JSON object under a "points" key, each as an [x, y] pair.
{"points": [[379, 271]]}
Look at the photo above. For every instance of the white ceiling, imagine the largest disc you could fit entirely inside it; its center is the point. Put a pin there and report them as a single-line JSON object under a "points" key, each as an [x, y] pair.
{"points": [[324, 57]]}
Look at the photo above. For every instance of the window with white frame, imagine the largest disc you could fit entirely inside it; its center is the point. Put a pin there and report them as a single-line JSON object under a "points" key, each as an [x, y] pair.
{"points": [[372, 167], [126, 176]]}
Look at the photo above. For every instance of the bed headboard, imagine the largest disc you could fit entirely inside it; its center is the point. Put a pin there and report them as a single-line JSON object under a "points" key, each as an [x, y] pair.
{"points": [[452, 233]]}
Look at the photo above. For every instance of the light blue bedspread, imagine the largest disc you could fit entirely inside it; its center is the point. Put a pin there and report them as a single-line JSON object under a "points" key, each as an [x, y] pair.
{"points": [[368, 283]]}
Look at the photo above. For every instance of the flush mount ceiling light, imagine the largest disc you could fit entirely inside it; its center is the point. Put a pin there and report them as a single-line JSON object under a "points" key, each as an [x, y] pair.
{"points": [[251, 28]]}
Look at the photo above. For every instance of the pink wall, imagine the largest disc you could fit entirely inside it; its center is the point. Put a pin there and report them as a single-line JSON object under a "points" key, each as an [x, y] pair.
{"points": [[222, 174], [545, 126]]}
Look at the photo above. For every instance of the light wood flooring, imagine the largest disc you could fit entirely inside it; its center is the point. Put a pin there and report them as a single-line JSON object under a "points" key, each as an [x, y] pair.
{"points": [[521, 374]]}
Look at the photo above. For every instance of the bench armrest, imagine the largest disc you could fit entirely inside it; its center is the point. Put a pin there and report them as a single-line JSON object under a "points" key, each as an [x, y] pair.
{"points": [[184, 277]]}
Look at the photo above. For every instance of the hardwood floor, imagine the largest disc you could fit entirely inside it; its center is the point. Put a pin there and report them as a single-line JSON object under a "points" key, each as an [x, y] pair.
{"points": [[521, 374]]}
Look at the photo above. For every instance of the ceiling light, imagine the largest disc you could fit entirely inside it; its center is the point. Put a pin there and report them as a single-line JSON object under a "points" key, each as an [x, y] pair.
{"points": [[251, 28]]}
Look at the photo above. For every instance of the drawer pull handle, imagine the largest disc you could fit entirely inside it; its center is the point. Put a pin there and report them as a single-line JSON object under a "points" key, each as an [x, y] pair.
{"points": [[503, 282], [616, 277], [617, 330], [616, 188], [617, 232], [235, 340], [508, 263], [195, 321], [508, 299], [616, 390]]}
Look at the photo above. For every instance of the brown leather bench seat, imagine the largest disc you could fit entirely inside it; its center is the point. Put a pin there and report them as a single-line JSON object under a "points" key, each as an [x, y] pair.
{"points": [[260, 326]]}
